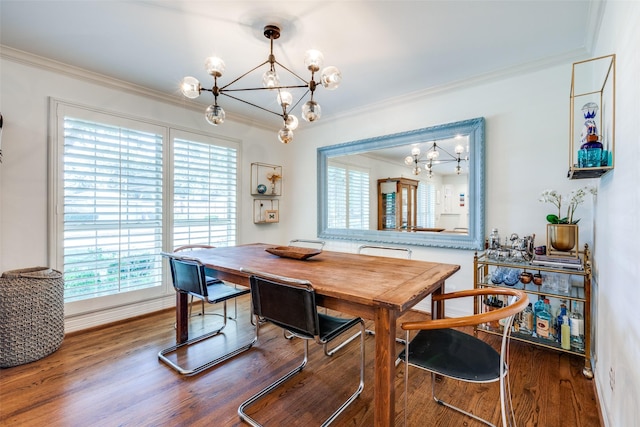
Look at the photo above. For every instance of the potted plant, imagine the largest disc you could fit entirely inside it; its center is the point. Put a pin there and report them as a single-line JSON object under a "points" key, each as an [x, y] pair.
{"points": [[562, 232]]}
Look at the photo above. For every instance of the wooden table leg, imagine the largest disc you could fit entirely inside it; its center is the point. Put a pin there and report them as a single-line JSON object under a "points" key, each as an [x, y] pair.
{"points": [[437, 308], [384, 371], [182, 317]]}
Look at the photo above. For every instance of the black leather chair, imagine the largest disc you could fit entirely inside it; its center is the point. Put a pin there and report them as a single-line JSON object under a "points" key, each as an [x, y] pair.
{"points": [[189, 277], [290, 304], [210, 281], [451, 353]]}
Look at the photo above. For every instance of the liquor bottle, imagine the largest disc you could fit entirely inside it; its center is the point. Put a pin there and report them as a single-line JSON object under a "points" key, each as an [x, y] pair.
{"points": [[562, 311], [494, 239], [537, 309], [576, 323], [526, 324], [543, 321], [565, 333]]}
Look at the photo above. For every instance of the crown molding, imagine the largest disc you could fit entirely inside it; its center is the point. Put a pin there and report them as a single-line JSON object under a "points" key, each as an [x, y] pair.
{"points": [[40, 62]]}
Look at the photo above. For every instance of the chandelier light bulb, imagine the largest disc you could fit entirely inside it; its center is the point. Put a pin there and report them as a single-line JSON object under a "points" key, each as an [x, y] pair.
{"points": [[433, 154], [331, 77], [190, 87], [291, 121], [313, 60], [215, 115], [415, 151], [284, 98], [416, 170], [270, 79], [459, 149], [311, 111], [458, 169], [408, 160], [214, 66], [285, 135]]}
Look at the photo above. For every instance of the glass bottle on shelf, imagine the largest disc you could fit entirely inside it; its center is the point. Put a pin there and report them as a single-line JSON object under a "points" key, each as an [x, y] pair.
{"points": [[562, 311], [565, 333], [526, 324], [494, 239], [576, 323], [590, 154], [543, 321]]}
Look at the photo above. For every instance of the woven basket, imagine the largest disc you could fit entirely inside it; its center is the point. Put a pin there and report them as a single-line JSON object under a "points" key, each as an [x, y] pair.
{"points": [[31, 314]]}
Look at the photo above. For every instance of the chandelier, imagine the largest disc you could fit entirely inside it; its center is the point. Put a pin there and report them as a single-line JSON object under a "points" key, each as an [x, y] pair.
{"points": [[433, 157], [330, 78]]}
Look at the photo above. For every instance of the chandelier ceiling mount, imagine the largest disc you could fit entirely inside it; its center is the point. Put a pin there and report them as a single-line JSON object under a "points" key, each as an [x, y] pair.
{"points": [[330, 78]]}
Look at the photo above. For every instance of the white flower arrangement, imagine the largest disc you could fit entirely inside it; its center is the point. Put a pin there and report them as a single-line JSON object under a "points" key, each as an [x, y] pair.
{"points": [[576, 197]]}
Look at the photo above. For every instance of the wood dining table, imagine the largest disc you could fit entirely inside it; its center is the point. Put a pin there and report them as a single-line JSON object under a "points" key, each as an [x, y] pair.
{"points": [[372, 287]]}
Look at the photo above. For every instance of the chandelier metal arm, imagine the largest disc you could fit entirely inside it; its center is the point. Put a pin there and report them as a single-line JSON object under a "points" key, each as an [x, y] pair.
{"points": [[294, 74], [252, 104], [248, 72], [262, 88], [300, 99]]}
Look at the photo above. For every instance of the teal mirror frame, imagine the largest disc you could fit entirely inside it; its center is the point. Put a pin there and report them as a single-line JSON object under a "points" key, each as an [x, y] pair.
{"points": [[474, 240]]}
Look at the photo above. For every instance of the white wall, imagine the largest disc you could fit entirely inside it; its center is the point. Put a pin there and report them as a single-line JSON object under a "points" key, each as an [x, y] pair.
{"points": [[617, 253]]}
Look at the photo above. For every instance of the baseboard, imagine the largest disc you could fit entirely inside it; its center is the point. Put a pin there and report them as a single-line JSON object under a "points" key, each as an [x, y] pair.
{"points": [[115, 314]]}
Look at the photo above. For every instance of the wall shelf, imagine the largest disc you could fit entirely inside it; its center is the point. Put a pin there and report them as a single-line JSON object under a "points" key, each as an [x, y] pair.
{"points": [[592, 81], [266, 180], [266, 211]]}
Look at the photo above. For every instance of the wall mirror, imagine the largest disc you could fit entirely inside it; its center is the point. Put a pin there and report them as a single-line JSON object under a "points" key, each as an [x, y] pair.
{"points": [[422, 187]]}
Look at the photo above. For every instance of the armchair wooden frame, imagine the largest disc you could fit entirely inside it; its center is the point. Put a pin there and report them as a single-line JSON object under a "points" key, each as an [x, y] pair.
{"points": [[428, 355]]}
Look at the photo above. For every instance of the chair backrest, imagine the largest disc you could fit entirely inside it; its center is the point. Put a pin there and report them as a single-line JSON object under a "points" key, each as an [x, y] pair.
{"points": [[192, 247], [288, 303], [317, 244], [188, 276], [386, 250]]}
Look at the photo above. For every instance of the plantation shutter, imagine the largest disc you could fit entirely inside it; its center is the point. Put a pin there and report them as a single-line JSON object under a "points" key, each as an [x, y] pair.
{"points": [[113, 214], [204, 194]]}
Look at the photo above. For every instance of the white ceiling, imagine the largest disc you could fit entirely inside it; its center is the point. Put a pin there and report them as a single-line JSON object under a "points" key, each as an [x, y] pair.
{"points": [[385, 49]]}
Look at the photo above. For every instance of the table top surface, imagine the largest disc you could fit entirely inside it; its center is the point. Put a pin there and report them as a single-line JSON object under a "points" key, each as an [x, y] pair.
{"points": [[394, 283]]}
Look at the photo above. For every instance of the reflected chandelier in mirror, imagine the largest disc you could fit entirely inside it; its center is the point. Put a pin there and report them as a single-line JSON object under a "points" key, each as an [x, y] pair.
{"points": [[449, 202]]}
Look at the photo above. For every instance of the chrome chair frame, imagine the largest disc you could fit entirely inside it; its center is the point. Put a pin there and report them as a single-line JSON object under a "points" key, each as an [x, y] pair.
{"points": [[196, 285], [518, 300], [309, 328], [311, 242]]}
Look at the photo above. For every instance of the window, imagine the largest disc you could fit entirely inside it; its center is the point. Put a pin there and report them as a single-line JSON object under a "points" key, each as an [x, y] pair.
{"points": [[426, 205], [116, 191], [112, 209], [348, 197], [204, 194]]}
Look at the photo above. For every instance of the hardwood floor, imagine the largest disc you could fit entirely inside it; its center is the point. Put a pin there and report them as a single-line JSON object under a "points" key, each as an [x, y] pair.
{"points": [[112, 377]]}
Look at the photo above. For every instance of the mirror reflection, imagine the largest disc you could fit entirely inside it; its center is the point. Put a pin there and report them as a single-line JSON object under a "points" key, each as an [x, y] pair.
{"points": [[422, 187]]}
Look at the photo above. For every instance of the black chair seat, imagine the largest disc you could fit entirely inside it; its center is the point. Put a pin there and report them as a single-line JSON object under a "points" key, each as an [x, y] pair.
{"points": [[218, 291], [331, 327], [454, 354]]}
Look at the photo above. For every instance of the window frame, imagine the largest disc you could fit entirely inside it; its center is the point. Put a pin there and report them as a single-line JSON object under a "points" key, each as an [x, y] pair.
{"points": [[58, 110]]}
